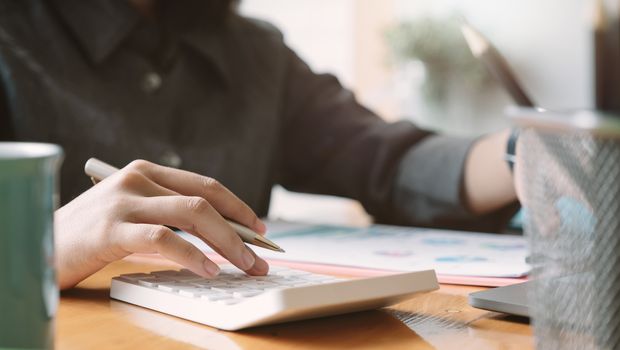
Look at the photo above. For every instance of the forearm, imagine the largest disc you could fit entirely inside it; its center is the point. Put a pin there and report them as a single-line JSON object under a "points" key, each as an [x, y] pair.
{"points": [[488, 182]]}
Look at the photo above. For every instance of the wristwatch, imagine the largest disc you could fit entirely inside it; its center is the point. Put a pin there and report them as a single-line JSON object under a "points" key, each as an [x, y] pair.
{"points": [[511, 149]]}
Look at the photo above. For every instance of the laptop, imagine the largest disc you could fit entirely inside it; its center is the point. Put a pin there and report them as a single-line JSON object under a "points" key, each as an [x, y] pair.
{"points": [[510, 299]]}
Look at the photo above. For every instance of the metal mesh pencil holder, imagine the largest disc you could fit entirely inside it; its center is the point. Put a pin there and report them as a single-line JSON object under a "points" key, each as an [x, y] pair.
{"points": [[570, 172]]}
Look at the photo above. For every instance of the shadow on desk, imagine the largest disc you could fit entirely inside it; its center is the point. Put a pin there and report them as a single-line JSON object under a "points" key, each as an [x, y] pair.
{"points": [[88, 319], [369, 329], [85, 294]]}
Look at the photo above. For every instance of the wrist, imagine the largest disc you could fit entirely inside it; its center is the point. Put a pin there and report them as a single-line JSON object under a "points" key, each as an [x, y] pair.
{"points": [[488, 181]]}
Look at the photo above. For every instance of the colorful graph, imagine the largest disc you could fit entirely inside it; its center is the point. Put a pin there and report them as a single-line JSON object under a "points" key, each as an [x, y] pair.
{"points": [[394, 253], [460, 259], [443, 241]]}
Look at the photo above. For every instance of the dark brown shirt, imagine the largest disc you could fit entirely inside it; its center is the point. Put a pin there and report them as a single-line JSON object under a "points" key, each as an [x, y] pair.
{"points": [[231, 101]]}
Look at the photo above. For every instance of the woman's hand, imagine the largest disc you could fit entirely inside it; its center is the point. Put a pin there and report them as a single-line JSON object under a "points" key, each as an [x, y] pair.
{"points": [[125, 214]]}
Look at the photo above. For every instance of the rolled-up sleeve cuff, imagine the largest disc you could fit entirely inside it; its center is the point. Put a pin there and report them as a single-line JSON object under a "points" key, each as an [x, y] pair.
{"points": [[430, 179]]}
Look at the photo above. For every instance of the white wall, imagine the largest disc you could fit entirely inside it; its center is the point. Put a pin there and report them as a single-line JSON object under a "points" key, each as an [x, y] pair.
{"points": [[548, 42], [320, 31]]}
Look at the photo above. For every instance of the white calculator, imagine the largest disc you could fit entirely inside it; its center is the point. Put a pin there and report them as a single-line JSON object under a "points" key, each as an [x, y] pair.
{"points": [[234, 300]]}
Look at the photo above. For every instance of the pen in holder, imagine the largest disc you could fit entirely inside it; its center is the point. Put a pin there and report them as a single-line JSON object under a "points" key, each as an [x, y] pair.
{"points": [[570, 172]]}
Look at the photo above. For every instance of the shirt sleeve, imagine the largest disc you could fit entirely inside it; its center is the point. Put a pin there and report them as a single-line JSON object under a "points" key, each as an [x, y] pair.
{"points": [[401, 174], [429, 183]]}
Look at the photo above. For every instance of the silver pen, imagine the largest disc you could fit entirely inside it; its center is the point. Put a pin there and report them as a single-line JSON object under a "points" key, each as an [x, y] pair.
{"points": [[99, 170]]}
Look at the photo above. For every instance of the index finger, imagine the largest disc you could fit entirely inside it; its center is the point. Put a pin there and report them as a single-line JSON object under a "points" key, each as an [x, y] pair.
{"points": [[192, 184]]}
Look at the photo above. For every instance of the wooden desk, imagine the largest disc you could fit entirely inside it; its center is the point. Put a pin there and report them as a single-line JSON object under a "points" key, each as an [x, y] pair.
{"points": [[89, 319]]}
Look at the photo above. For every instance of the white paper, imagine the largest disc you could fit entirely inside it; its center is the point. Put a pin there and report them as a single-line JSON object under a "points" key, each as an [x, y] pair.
{"points": [[398, 249]]}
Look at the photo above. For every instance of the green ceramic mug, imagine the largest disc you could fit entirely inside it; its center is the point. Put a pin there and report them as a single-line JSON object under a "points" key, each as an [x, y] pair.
{"points": [[28, 289]]}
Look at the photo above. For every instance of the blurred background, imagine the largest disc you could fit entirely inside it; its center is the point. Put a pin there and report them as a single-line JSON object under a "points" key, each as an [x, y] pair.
{"points": [[406, 59]]}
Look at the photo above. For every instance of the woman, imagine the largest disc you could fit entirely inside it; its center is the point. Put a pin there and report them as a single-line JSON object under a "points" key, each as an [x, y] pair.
{"points": [[190, 84]]}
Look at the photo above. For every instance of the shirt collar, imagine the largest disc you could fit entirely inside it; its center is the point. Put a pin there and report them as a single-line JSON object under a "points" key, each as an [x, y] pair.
{"points": [[98, 25], [210, 45]]}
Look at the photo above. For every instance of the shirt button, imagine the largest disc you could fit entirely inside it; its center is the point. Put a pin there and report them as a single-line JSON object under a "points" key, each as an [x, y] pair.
{"points": [[170, 159], [151, 82]]}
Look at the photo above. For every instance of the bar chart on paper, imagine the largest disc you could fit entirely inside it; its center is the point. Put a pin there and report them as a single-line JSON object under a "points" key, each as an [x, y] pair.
{"points": [[397, 248]]}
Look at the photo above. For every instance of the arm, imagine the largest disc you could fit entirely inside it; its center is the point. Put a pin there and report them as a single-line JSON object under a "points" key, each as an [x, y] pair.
{"points": [[401, 174], [330, 144], [488, 183]]}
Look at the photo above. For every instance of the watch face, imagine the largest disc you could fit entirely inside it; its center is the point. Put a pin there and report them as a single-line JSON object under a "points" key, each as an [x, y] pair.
{"points": [[511, 148]]}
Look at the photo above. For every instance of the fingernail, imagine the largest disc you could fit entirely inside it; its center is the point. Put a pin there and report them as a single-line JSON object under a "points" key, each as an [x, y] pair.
{"points": [[260, 226], [211, 268], [261, 267], [248, 259]]}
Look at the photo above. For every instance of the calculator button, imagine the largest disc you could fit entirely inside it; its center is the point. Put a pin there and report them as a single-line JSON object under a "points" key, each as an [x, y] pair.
{"points": [[188, 278], [167, 273], [208, 283], [259, 285], [152, 282], [285, 273], [194, 292], [247, 293], [170, 286], [229, 288]]}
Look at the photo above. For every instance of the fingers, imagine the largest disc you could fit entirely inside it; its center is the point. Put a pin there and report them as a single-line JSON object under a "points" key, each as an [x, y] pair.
{"points": [[260, 268], [166, 196], [134, 182], [191, 184], [145, 238], [197, 216]]}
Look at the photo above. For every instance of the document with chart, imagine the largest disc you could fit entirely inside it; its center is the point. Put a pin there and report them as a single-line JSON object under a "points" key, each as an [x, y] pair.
{"points": [[398, 249]]}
